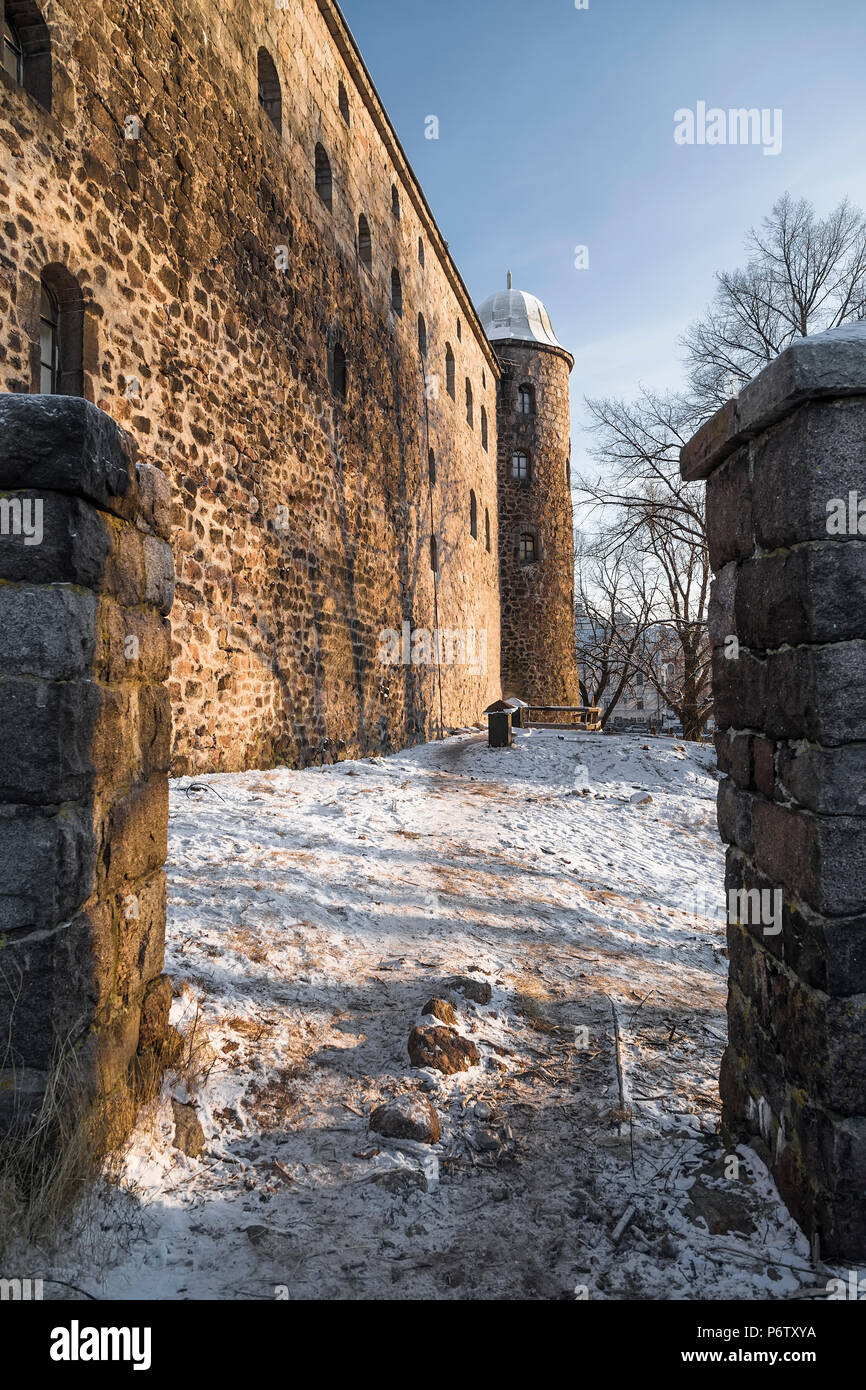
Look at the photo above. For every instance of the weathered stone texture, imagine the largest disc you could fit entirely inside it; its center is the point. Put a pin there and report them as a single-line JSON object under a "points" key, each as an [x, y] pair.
{"points": [[84, 707], [539, 657], [791, 741], [301, 523]]}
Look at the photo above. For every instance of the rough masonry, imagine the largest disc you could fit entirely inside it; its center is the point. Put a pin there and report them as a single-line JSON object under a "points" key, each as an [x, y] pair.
{"points": [[86, 584], [222, 213], [785, 466]]}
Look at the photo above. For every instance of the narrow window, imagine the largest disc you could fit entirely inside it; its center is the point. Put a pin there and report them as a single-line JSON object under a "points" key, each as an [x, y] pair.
{"points": [[470, 408], [528, 548], [459, 331], [422, 335], [431, 468], [568, 471], [25, 49], [526, 400], [434, 555], [324, 180], [450, 372], [49, 344], [487, 530], [520, 470], [270, 92], [365, 243], [421, 250], [61, 334], [473, 516], [395, 201], [484, 427], [339, 375], [343, 102], [396, 292], [13, 54]]}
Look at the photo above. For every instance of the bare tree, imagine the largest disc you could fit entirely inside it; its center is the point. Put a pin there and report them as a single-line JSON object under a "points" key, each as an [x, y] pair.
{"points": [[613, 614], [804, 274], [651, 513]]}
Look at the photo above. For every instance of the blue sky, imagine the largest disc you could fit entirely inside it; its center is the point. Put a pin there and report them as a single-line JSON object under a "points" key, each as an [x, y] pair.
{"points": [[556, 130]]}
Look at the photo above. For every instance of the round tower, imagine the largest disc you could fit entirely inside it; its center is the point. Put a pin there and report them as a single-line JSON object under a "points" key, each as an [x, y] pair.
{"points": [[536, 535]]}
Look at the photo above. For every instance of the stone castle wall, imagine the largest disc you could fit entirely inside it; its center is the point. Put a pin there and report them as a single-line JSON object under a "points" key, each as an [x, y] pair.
{"points": [[539, 659], [301, 524]]}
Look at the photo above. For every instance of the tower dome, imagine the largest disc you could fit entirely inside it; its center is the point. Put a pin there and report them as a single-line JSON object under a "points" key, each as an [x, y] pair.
{"points": [[518, 316]]}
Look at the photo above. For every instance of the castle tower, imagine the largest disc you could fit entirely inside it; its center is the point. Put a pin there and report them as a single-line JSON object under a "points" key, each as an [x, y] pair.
{"points": [[536, 535]]}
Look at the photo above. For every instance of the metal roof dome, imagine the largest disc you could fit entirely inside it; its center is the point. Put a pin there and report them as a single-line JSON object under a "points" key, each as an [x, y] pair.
{"points": [[516, 315]]}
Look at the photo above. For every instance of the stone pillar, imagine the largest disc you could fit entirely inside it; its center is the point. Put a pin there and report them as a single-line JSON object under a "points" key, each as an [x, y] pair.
{"points": [[785, 466], [86, 583]]}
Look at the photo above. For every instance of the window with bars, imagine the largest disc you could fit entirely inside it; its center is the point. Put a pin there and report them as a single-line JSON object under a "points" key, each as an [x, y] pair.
{"points": [[521, 469], [527, 548], [49, 344]]}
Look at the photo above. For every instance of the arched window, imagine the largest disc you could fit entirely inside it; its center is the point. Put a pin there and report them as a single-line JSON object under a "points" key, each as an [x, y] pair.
{"points": [[396, 292], [521, 470], [422, 335], [395, 201], [450, 372], [431, 468], [324, 180], [270, 92], [527, 548], [338, 372], [434, 555], [473, 516], [526, 400], [487, 530], [49, 343], [484, 426], [365, 243], [25, 54], [420, 250], [61, 333], [470, 407], [343, 103]]}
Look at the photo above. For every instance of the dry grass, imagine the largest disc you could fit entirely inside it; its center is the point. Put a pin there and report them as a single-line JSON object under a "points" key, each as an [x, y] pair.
{"points": [[530, 999], [52, 1161]]}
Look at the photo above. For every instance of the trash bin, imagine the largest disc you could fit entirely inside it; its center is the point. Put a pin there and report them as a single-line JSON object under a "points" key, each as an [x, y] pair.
{"points": [[499, 729]]}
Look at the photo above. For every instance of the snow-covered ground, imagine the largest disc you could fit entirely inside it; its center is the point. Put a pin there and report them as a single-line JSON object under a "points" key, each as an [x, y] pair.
{"points": [[313, 914]]}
